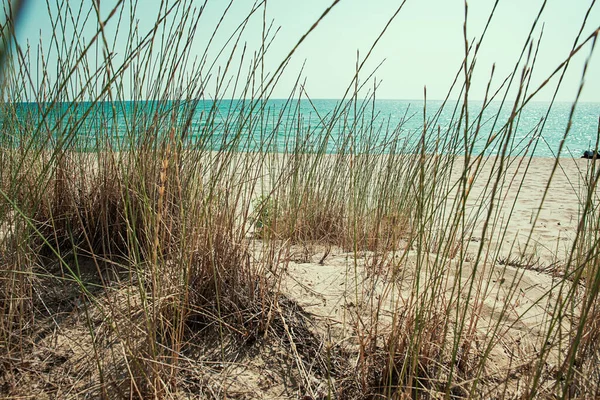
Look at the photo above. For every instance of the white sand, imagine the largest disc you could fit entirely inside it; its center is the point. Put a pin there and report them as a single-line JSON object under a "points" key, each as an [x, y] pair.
{"points": [[510, 306]]}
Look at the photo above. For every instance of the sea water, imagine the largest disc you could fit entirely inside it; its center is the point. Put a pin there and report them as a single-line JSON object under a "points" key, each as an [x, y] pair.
{"points": [[539, 128]]}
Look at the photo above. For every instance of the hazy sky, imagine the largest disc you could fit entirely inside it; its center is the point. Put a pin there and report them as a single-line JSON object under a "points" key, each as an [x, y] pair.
{"points": [[423, 46]]}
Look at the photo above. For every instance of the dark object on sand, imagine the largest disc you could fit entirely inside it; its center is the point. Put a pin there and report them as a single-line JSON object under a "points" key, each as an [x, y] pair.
{"points": [[590, 155]]}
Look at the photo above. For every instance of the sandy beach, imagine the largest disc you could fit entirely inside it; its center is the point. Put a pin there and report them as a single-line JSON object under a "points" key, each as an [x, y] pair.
{"points": [[519, 286], [531, 211], [505, 285]]}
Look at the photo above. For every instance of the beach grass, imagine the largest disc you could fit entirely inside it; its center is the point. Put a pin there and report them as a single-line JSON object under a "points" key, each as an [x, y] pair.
{"points": [[181, 260]]}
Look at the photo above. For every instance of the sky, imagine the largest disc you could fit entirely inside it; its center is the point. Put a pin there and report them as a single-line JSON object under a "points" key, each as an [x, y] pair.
{"points": [[424, 45]]}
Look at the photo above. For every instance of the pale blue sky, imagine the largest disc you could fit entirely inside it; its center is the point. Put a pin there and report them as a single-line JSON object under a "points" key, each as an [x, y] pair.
{"points": [[423, 46]]}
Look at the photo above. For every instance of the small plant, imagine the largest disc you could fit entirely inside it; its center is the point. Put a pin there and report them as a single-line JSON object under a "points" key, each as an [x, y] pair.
{"points": [[264, 215]]}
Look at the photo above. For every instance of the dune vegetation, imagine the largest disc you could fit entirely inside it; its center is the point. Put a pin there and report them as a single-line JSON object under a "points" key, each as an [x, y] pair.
{"points": [[146, 255]]}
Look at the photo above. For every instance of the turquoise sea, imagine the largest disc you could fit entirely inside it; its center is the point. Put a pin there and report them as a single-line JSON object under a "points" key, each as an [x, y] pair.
{"points": [[330, 125]]}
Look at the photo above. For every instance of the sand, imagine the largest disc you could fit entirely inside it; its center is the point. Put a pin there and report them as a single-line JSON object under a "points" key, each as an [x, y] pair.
{"points": [[517, 281], [507, 299], [540, 229]]}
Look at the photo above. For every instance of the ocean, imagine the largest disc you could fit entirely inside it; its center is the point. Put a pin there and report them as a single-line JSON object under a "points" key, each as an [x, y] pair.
{"points": [[311, 125]]}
